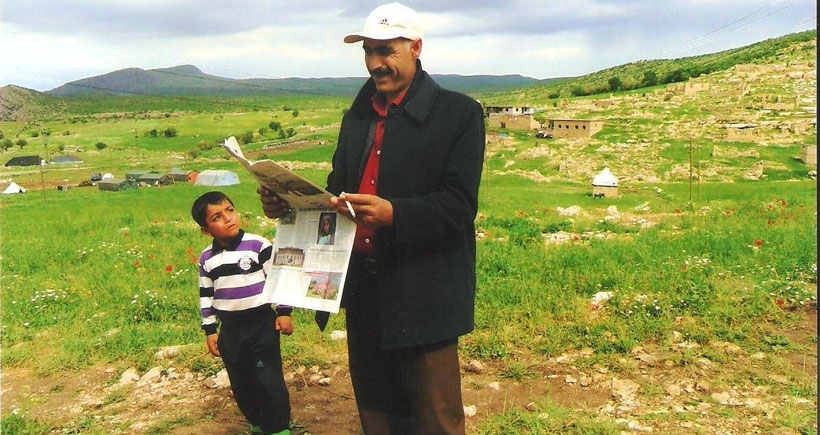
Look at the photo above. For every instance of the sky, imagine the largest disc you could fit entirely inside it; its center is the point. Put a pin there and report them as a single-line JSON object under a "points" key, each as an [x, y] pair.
{"points": [[47, 43]]}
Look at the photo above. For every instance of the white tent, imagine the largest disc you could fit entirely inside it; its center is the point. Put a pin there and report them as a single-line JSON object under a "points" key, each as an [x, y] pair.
{"points": [[605, 178], [213, 177], [13, 188]]}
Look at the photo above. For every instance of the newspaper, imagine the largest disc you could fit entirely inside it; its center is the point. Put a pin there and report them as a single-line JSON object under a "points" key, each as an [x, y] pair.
{"points": [[312, 247]]}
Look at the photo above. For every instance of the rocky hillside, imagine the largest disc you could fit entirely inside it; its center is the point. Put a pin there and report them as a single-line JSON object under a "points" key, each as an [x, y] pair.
{"points": [[747, 122]]}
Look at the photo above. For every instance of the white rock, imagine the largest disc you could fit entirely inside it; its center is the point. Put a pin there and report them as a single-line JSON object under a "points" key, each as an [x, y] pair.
{"points": [[338, 335], [469, 411], [221, 379], [723, 398], [673, 390], [130, 376], [152, 375]]}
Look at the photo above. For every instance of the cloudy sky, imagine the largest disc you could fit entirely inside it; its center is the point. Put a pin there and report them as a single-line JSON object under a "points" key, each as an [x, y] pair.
{"points": [[47, 43]]}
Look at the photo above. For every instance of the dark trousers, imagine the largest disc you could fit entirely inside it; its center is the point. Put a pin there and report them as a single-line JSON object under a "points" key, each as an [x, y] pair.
{"points": [[415, 390], [254, 364]]}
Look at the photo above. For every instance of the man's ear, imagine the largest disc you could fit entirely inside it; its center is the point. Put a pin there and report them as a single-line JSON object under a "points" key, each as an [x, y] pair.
{"points": [[415, 48]]}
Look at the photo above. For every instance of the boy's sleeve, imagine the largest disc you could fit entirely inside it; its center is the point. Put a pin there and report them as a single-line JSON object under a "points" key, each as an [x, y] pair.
{"points": [[206, 300]]}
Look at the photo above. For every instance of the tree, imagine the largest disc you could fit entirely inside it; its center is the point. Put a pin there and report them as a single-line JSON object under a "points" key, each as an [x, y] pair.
{"points": [[7, 144], [295, 113], [100, 146], [615, 84], [650, 78], [291, 132], [170, 132], [21, 143], [246, 137], [275, 125]]}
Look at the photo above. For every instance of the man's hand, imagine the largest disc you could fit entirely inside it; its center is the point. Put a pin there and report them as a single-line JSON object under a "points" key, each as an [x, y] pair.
{"points": [[284, 325], [371, 210], [210, 340], [272, 204]]}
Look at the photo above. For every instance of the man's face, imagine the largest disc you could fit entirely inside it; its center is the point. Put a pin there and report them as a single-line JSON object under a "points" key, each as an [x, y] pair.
{"points": [[391, 63]]}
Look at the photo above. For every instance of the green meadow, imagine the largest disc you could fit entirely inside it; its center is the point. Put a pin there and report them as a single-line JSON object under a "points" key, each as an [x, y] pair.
{"points": [[109, 278]]}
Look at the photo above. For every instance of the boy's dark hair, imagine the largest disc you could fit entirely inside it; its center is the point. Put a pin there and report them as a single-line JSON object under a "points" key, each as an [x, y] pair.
{"points": [[201, 205]]}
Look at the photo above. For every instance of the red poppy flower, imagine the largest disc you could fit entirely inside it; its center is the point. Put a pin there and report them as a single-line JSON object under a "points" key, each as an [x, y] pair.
{"points": [[758, 242], [169, 268]]}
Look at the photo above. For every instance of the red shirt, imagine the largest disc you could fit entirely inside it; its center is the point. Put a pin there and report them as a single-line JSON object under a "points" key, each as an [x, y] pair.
{"points": [[365, 237]]}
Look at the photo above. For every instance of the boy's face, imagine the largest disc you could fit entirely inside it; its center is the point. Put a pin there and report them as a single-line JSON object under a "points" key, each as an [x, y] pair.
{"points": [[222, 222]]}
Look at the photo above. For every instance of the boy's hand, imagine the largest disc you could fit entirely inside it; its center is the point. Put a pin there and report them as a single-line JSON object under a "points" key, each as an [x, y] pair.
{"points": [[284, 325], [210, 340]]}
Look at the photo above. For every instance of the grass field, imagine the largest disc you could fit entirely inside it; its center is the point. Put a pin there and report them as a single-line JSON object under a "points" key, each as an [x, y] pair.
{"points": [[95, 277]]}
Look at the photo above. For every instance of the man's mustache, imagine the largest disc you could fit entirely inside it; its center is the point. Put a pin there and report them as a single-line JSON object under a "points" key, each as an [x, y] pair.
{"points": [[381, 72]]}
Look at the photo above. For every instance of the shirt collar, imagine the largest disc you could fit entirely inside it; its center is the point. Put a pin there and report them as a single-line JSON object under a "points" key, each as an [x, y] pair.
{"points": [[217, 247], [380, 103]]}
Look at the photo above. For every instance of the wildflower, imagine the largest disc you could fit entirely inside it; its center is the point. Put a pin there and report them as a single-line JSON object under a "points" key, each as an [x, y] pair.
{"points": [[169, 268], [189, 251], [758, 242], [780, 302]]}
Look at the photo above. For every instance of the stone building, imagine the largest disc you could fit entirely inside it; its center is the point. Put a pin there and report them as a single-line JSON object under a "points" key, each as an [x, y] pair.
{"points": [[517, 118], [574, 128]]}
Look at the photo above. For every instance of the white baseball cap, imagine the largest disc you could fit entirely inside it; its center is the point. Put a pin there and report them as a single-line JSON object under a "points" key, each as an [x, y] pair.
{"points": [[390, 21]]}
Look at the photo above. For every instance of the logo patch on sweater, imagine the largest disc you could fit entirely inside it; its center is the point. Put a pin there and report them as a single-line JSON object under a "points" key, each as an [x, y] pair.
{"points": [[245, 263]]}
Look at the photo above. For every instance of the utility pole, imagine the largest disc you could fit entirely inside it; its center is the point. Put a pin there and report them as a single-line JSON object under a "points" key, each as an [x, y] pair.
{"points": [[690, 168]]}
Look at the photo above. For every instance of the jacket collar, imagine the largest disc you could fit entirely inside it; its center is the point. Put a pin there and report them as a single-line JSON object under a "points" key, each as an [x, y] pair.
{"points": [[217, 247], [417, 103]]}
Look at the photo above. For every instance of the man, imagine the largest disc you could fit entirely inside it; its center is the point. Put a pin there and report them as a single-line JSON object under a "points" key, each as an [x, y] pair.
{"points": [[413, 153]]}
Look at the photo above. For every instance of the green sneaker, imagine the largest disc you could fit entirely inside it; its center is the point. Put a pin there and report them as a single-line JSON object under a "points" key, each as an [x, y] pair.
{"points": [[284, 432]]}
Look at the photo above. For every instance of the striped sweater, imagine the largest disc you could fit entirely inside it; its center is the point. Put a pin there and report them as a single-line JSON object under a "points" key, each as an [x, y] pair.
{"points": [[232, 279]]}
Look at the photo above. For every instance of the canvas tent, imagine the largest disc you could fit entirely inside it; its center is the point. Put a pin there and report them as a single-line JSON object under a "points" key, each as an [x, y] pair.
{"points": [[213, 177], [13, 188], [177, 174], [24, 161], [65, 160]]}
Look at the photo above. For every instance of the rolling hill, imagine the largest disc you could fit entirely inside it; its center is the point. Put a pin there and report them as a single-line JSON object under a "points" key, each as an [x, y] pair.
{"points": [[189, 80]]}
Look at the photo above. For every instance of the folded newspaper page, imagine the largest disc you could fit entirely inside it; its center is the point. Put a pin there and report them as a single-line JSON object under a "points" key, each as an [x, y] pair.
{"points": [[299, 192], [312, 247]]}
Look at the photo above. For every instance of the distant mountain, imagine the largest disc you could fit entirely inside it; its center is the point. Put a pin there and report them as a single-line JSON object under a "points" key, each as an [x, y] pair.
{"points": [[189, 80]]}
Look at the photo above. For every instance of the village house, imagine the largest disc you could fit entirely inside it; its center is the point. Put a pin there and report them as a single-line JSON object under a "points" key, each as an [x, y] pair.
{"points": [[517, 118], [574, 128], [690, 87]]}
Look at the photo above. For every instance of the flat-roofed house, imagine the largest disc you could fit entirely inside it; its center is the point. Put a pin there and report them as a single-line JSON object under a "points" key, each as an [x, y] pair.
{"points": [[574, 128], [516, 118]]}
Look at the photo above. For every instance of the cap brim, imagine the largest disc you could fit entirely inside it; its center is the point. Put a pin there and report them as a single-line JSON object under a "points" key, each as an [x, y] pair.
{"points": [[382, 35]]}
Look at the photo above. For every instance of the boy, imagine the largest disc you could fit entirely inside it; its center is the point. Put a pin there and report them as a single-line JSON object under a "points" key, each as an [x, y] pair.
{"points": [[232, 275]]}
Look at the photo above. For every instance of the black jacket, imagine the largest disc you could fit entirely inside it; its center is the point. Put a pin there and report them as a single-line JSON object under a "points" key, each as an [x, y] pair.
{"points": [[431, 163]]}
